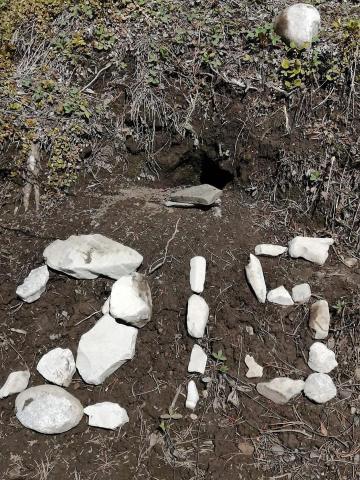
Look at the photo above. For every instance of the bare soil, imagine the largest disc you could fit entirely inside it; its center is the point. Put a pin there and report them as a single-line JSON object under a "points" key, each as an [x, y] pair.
{"points": [[253, 439]]}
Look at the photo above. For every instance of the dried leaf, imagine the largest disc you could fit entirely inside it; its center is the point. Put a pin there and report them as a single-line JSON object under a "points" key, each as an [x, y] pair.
{"points": [[323, 430], [246, 448]]}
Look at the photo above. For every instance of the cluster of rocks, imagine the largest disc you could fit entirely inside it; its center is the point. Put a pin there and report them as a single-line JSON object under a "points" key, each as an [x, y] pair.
{"points": [[318, 386], [111, 341], [101, 350]]}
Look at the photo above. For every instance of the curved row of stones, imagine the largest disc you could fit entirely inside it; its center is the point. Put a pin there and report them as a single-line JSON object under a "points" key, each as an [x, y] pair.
{"points": [[112, 340]]}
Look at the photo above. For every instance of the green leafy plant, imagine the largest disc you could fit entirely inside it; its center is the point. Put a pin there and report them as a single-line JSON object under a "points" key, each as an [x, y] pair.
{"points": [[220, 359], [263, 36]]}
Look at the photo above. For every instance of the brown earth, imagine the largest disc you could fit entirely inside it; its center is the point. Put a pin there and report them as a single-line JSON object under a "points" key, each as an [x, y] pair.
{"points": [[253, 439]]}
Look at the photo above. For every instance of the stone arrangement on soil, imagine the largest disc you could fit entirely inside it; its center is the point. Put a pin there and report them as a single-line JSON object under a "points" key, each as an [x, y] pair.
{"points": [[111, 342]]}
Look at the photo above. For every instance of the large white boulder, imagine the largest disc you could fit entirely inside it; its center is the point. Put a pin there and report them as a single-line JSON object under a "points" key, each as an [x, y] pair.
{"points": [[104, 348], [280, 390], [34, 285], [320, 319], [197, 316], [88, 256], [130, 300], [48, 409], [197, 274], [198, 359], [301, 293], [106, 415], [254, 369], [192, 397], [314, 249], [269, 250], [57, 366], [15, 383], [280, 296], [298, 23], [319, 387], [255, 276], [321, 359]]}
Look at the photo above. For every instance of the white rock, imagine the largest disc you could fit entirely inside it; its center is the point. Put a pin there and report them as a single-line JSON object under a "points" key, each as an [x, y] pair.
{"points": [[197, 316], [301, 293], [197, 274], [255, 370], [48, 409], [15, 383], [106, 415], [314, 249], [130, 300], [255, 276], [106, 307], [280, 390], [298, 23], [57, 366], [319, 387], [88, 256], [199, 195], [320, 319], [192, 396], [34, 285], [198, 359], [321, 358], [270, 250], [280, 296], [104, 348]]}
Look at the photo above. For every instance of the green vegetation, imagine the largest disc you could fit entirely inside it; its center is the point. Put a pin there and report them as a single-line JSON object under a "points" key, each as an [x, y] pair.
{"points": [[63, 64]]}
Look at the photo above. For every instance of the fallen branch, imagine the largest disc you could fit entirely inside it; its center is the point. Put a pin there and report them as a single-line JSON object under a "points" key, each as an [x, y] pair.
{"points": [[155, 267]]}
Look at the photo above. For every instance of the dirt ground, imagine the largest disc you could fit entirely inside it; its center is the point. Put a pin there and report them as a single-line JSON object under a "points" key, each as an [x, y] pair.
{"points": [[243, 436]]}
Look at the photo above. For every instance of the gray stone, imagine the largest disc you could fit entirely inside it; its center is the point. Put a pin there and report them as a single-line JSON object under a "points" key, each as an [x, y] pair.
{"points": [[34, 285], [107, 415], [255, 276], [88, 256], [298, 24], [198, 359], [270, 250], [57, 366], [197, 316], [130, 300], [15, 383], [319, 387], [280, 296], [197, 274], [199, 195], [314, 249], [280, 390], [48, 409], [104, 348], [301, 293], [320, 319], [321, 359]]}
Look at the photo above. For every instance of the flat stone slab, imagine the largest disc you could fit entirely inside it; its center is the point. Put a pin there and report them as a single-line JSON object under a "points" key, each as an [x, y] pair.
{"points": [[48, 409], [313, 249], [88, 256], [197, 316], [199, 195], [104, 348], [280, 296]]}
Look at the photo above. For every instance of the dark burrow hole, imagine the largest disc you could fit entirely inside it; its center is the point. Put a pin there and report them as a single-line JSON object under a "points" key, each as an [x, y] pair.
{"points": [[202, 166]]}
